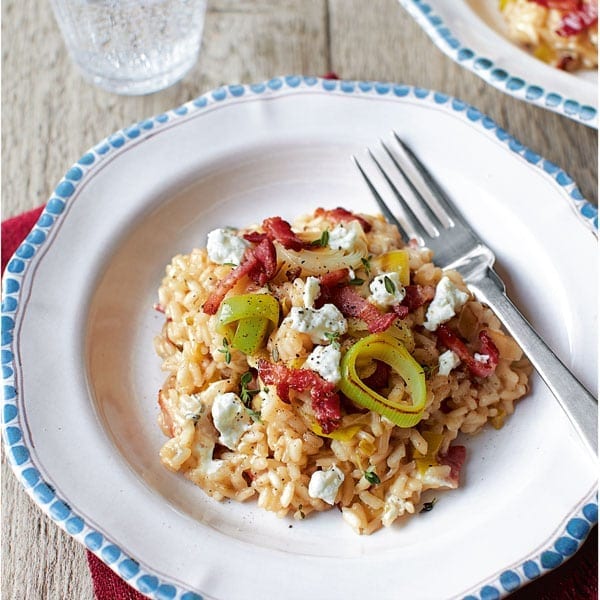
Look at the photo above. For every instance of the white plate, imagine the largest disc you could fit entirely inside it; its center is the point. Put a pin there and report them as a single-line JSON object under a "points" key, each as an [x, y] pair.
{"points": [[473, 34], [81, 376]]}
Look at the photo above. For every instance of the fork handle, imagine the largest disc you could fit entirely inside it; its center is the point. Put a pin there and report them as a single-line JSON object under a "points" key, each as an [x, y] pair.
{"points": [[579, 405]]}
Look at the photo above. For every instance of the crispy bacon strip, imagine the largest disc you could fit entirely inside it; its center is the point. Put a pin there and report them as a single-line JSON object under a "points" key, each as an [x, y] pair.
{"points": [[276, 229], [325, 400], [255, 237], [448, 338], [417, 295], [342, 215], [454, 458], [578, 20], [266, 266], [559, 4], [259, 263], [401, 311], [379, 378], [352, 304], [334, 278]]}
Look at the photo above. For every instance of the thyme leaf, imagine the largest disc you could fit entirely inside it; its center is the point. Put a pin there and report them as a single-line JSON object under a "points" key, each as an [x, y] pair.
{"points": [[371, 476], [390, 288], [322, 241], [226, 351]]}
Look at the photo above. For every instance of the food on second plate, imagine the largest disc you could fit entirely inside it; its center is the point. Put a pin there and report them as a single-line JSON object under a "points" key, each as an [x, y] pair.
{"points": [[326, 363], [563, 33]]}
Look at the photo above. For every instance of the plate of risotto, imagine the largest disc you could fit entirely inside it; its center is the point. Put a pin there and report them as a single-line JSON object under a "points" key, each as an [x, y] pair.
{"points": [[228, 376], [541, 51]]}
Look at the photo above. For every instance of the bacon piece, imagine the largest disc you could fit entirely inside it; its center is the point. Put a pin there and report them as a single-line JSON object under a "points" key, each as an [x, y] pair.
{"points": [[401, 310], [342, 215], [352, 304], [259, 263], [255, 237], [325, 400], [559, 4], [379, 378], [566, 63], [578, 20], [454, 458], [278, 229], [328, 282], [477, 367], [334, 278], [266, 266], [417, 295]]}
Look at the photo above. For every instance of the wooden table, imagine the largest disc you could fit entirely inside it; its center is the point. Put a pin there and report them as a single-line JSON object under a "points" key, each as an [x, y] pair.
{"points": [[50, 117]]}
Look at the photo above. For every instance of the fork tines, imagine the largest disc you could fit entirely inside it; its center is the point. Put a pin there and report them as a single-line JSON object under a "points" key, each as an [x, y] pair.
{"points": [[394, 174]]}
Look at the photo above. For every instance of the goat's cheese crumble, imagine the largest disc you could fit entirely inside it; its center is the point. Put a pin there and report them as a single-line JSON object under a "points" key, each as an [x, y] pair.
{"points": [[319, 323], [325, 360], [224, 246], [344, 235], [386, 290], [312, 289], [447, 361], [447, 300], [230, 418], [325, 484]]}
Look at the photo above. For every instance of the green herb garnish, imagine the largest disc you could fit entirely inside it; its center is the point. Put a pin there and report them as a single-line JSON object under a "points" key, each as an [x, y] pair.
{"points": [[333, 339], [226, 351], [366, 264], [254, 415], [429, 370], [356, 281], [246, 395], [371, 476], [390, 288], [322, 241]]}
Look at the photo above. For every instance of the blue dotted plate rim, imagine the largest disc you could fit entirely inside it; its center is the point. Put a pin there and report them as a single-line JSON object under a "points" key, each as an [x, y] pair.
{"points": [[559, 548], [482, 66]]}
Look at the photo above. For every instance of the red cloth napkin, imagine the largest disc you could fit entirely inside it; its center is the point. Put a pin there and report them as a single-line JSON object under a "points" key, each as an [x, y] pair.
{"points": [[577, 579]]}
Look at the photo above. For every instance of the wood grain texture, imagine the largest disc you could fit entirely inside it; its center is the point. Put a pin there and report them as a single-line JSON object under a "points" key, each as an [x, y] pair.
{"points": [[50, 117]]}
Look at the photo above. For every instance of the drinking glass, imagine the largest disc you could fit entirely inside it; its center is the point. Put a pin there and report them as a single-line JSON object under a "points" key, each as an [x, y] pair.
{"points": [[132, 46]]}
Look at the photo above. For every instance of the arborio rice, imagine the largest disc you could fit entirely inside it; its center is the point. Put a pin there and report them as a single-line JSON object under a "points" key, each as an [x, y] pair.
{"points": [[270, 421], [563, 33]]}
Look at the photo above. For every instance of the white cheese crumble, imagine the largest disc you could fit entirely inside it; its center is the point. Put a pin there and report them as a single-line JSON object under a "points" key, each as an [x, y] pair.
{"points": [[325, 484], [312, 289], [230, 418], [206, 464], [482, 358], [344, 235], [224, 246], [448, 299], [386, 290], [319, 323], [447, 361], [395, 507], [325, 360]]}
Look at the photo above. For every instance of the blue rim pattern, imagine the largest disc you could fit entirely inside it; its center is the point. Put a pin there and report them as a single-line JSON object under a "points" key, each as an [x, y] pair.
{"points": [[485, 68], [566, 542]]}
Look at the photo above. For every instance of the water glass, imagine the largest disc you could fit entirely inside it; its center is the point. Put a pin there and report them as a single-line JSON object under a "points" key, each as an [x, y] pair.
{"points": [[132, 46]]}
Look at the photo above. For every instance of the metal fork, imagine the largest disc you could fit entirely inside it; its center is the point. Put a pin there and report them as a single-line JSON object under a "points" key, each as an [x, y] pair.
{"points": [[432, 219]]}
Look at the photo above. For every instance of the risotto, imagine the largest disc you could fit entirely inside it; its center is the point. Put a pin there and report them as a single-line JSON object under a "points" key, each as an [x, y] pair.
{"points": [[326, 363], [563, 33]]}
